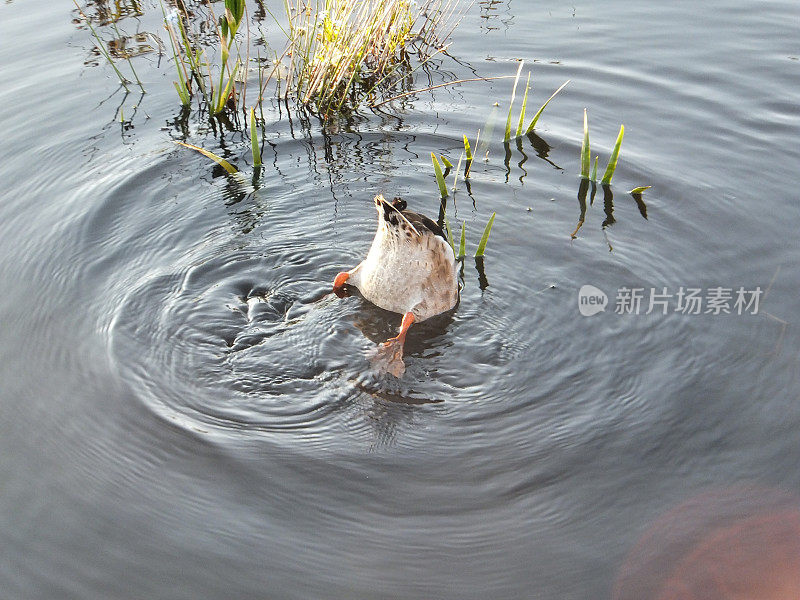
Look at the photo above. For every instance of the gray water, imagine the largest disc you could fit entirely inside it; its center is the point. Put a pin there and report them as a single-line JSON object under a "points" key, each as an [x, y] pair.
{"points": [[185, 412]]}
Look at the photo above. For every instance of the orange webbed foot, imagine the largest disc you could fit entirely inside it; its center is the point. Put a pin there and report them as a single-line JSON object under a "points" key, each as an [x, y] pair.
{"points": [[389, 355], [388, 358]]}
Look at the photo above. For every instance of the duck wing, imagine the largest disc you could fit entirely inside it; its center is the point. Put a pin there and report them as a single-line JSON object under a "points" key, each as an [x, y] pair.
{"points": [[422, 223]]}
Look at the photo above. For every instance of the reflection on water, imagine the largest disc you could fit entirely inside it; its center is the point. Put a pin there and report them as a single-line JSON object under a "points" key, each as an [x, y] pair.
{"points": [[104, 12]]}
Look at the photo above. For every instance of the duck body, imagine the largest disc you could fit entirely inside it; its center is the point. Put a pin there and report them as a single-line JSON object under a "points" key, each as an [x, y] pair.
{"points": [[410, 269], [410, 266]]}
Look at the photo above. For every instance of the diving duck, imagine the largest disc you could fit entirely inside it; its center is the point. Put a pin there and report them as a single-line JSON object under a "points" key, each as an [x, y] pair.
{"points": [[410, 269]]}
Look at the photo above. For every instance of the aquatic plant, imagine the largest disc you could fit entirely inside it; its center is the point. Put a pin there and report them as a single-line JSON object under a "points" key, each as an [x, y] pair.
{"points": [[182, 86], [254, 145], [341, 51], [192, 63], [585, 150], [539, 112], [217, 159], [437, 169], [462, 246], [612, 161], [449, 234], [520, 122], [485, 237], [455, 172], [507, 136], [586, 155], [228, 26], [468, 153], [467, 149], [640, 190]]}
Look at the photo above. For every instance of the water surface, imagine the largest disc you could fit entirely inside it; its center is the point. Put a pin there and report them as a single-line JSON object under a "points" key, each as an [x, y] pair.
{"points": [[186, 412]]}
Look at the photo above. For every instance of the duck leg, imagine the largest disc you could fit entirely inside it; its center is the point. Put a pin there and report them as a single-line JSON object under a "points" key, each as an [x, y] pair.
{"points": [[389, 357]]}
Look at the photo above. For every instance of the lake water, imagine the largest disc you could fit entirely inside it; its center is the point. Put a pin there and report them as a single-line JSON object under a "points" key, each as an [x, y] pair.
{"points": [[185, 412]]}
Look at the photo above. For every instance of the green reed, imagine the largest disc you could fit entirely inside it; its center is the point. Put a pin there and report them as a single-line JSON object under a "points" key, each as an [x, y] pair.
{"points": [[585, 150], [217, 159], [254, 145], [541, 109], [340, 51], [192, 64], [521, 121], [468, 153], [485, 237], [449, 234], [437, 169], [612, 161], [507, 136]]}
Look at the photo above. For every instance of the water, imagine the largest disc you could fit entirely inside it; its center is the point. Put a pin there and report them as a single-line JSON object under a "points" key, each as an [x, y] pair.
{"points": [[187, 413]]}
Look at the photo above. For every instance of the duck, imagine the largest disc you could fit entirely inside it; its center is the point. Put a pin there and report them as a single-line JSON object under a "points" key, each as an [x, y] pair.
{"points": [[410, 269]]}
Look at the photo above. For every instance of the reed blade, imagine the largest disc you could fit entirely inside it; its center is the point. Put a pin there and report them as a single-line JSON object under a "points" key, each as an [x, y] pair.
{"points": [[612, 161], [594, 168], [217, 159], [183, 94], [462, 246], [437, 168], [585, 151], [507, 136], [455, 173], [254, 145], [640, 189], [449, 234], [467, 149], [524, 104], [541, 110], [446, 162], [485, 236], [468, 152]]}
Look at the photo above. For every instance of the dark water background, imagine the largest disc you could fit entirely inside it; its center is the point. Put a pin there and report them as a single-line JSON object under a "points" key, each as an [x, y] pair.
{"points": [[184, 413]]}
